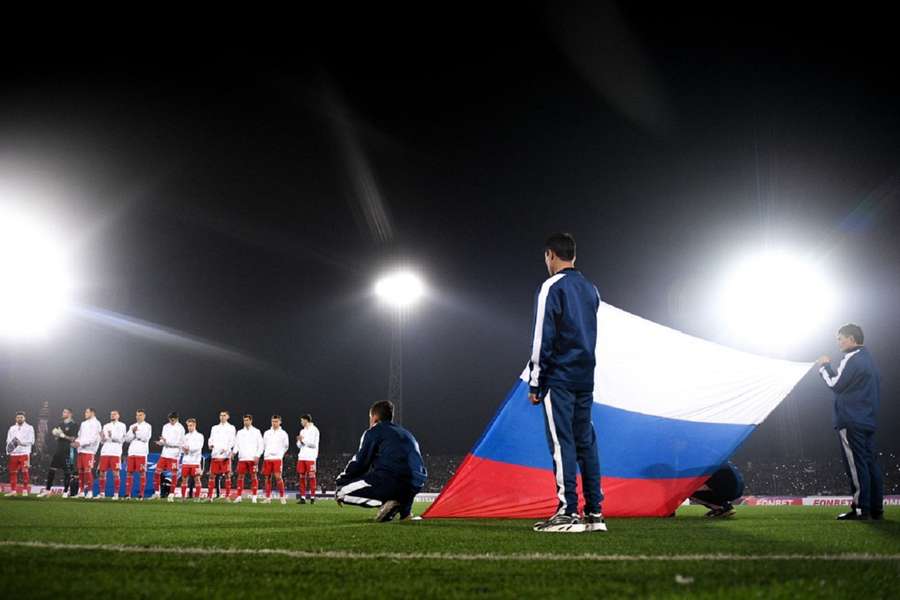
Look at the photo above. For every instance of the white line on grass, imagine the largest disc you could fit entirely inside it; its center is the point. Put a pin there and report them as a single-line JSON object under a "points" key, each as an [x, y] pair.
{"points": [[535, 556]]}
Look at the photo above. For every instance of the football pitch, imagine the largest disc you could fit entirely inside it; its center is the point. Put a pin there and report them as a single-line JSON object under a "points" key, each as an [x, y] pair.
{"points": [[103, 549]]}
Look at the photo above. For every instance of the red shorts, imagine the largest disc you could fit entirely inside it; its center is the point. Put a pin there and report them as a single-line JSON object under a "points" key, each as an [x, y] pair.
{"points": [[271, 466], [305, 467], [167, 464], [17, 462], [137, 463], [247, 466], [191, 471], [85, 461], [220, 466], [109, 463]]}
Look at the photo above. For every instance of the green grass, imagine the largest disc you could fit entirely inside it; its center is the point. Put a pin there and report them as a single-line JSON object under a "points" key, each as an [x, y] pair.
{"points": [[399, 560]]}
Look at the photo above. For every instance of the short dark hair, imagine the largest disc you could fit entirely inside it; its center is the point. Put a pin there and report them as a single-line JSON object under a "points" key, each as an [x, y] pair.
{"points": [[562, 245], [141, 410], [173, 415], [384, 409], [20, 412], [248, 416], [307, 416], [67, 409], [225, 411], [90, 409], [852, 330], [276, 417], [192, 420]]}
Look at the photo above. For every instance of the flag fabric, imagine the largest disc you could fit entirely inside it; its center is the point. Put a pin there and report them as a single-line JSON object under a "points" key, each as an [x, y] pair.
{"points": [[668, 410]]}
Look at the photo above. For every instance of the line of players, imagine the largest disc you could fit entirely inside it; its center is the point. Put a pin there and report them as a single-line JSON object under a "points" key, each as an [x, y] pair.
{"points": [[177, 444]]}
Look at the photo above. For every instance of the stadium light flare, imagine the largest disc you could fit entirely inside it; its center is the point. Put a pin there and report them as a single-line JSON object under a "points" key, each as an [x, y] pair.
{"points": [[400, 289], [35, 280], [775, 297]]}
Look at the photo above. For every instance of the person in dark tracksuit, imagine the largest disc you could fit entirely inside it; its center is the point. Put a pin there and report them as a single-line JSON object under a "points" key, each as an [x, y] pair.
{"points": [[720, 490], [561, 380], [63, 458], [387, 471], [856, 387]]}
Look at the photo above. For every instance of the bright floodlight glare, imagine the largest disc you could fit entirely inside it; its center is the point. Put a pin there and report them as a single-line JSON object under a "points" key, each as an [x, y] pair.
{"points": [[400, 289], [35, 284], [775, 298]]}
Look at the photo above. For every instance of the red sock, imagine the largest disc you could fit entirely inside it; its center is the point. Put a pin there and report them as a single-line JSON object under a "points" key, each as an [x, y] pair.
{"points": [[117, 479], [143, 485], [302, 484], [227, 485], [26, 480], [129, 480], [184, 487], [89, 481], [255, 485], [268, 488], [156, 476], [281, 487], [312, 485], [14, 481], [212, 486], [240, 487], [102, 489]]}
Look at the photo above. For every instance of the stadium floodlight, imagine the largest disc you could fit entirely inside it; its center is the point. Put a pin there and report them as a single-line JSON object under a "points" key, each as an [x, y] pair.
{"points": [[35, 281], [776, 298], [400, 289]]}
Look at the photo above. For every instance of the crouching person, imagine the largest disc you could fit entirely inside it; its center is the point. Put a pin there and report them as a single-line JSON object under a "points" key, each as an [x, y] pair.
{"points": [[387, 471]]}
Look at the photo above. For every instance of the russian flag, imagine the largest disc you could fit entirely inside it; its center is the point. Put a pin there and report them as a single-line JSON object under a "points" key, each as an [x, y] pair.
{"points": [[669, 409]]}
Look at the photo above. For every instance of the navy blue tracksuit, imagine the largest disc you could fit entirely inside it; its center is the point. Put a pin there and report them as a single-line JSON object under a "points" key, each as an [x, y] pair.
{"points": [[387, 466], [857, 394], [561, 373]]}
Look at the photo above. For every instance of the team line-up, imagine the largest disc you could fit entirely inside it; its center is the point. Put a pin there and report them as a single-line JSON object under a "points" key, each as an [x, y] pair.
{"points": [[177, 445], [386, 472]]}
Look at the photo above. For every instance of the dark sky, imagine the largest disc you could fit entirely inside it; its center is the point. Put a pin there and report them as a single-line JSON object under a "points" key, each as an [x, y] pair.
{"points": [[219, 180]]}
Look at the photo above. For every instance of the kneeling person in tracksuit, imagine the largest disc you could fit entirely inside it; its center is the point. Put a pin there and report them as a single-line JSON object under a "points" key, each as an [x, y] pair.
{"points": [[721, 489], [387, 471]]}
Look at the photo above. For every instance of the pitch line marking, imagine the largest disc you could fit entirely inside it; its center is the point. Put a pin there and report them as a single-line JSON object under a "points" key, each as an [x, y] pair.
{"points": [[536, 556]]}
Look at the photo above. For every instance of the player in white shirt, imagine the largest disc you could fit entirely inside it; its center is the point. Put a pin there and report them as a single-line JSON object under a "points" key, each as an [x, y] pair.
{"points": [[275, 443], [113, 436], [87, 443], [308, 443], [171, 440], [191, 460], [138, 438], [221, 443], [248, 447], [19, 441]]}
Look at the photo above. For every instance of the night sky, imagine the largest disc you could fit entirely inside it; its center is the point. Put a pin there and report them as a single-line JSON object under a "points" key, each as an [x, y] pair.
{"points": [[245, 184]]}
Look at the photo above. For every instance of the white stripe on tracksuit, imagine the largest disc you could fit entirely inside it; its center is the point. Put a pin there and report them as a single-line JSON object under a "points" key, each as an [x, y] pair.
{"points": [[540, 313], [343, 494], [854, 477], [557, 456], [832, 381]]}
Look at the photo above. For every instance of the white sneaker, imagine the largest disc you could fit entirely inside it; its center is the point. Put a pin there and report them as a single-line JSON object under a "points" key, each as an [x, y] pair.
{"points": [[80, 494], [25, 493], [155, 496], [43, 493], [65, 494], [170, 498], [283, 500], [267, 501], [238, 500], [96, 497], [253, 499], [9, 494], [115, 497]]}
